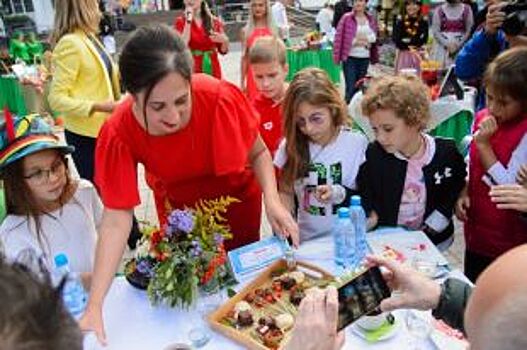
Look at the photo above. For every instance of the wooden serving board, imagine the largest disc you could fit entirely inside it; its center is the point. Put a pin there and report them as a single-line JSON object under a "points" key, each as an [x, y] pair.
{"points": [[242, 336]]}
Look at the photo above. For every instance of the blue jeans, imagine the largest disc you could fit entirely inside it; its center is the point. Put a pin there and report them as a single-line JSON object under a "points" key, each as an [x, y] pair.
{"points": [[354, 70]]}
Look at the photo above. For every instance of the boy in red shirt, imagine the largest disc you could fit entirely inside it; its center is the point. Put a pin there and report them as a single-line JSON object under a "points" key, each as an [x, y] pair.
{"points": [[267, 57]]}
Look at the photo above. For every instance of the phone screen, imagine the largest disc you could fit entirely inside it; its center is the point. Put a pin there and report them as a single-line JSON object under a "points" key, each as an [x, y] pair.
{"points": [[361, 296]]}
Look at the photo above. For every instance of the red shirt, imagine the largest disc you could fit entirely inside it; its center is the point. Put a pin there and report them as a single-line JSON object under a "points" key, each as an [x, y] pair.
{"points": [[271, 123], [205, 160], [250, 89], [199, 40]]}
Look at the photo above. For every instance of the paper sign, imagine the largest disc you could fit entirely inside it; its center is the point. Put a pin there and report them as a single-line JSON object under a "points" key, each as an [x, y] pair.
{"points": [[256, 255]]}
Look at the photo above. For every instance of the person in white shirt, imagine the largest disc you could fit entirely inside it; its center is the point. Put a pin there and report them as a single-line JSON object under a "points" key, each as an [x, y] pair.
{"points": [[47, 211], [324, 19], [320, 156], [280, 19]]}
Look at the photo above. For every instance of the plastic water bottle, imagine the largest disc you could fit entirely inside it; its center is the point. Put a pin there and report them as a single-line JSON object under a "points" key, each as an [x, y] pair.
{"points": [[343, 238], [358, 221], [73, 294]]}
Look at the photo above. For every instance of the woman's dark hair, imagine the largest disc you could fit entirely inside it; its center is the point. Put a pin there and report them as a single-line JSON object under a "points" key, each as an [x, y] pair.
{"points": [[206, 17], [19, 198], [151, 53]]}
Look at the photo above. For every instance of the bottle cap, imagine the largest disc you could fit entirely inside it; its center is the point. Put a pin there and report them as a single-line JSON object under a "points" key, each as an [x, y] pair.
{"points": [[355, 201], [61, 260], [343, 213]]}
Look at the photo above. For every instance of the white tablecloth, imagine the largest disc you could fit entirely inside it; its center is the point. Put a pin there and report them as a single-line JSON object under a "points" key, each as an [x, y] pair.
{"points": [[132, 323]]}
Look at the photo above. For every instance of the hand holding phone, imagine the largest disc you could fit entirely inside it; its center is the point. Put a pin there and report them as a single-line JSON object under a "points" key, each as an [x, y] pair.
{"points": [[414, 290], [361, 296]]}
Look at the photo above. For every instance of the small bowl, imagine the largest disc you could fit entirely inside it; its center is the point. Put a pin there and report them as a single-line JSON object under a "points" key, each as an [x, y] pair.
{"points": [[371, 322]]}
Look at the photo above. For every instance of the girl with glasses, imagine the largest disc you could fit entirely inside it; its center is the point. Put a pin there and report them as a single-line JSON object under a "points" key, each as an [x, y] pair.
{"points": [[320, 156], [48, 212]]}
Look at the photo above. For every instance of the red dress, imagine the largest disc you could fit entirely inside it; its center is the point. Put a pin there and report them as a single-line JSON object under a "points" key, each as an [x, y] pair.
{"points": [[205, 160], [250, 87], [200, 44], [271, 123]]}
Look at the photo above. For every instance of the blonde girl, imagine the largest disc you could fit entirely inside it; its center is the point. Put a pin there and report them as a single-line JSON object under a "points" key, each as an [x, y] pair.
{"points": [[409, 178], [259, 24]]}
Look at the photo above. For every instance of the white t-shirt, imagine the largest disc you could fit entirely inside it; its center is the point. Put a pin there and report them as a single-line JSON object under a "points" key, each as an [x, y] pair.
{"points": [[335, 164], [324, 20], [280, 19], [71, 230], [363, 31]]}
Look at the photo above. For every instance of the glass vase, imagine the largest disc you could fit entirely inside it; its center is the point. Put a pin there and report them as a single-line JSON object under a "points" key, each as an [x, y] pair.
{"points": [[208, 300]]}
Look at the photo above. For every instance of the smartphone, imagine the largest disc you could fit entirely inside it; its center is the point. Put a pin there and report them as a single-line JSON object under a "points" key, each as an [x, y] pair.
{"points": [[361, 296]]}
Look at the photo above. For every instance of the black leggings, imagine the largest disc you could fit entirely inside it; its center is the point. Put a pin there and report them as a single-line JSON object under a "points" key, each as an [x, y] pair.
{"points": [[84, 155]]}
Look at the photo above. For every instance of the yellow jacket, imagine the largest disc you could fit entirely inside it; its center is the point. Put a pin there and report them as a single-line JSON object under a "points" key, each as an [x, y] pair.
{"points": [[80, 80]]}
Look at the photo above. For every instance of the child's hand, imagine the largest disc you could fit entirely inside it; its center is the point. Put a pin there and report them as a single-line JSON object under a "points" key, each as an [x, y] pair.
{"points": [[521, 177], [323, 193], [462, 205], [509, 197], [486, 129], [372, 221]]}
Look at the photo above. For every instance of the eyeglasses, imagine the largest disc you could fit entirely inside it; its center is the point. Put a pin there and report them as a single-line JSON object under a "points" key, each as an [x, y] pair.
{"points": [[316, 119], [41, 176]]}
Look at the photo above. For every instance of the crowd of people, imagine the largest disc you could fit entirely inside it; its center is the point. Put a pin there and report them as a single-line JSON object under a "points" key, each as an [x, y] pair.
{"points": [[291, 143]]}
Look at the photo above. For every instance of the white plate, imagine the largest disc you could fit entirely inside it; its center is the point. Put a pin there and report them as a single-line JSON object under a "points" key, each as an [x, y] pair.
{"points": [[360, 332]]}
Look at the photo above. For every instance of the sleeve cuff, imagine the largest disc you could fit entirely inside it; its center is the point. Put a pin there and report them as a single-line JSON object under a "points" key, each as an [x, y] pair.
{"points": [[499, 174], [437, 221], [452, 303]]}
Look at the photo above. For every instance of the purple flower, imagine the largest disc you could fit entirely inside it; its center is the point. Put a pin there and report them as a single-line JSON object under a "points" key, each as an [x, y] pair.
{"points": [[169, 230], [195, 249], [145, 267], [181, 220], [218, 238]]}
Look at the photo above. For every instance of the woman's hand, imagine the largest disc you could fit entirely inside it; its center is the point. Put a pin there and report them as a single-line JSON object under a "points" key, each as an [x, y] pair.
{"points": [[414, 290], [509, 197], [105, 107], [219, 38], [281, 221], [92, 321]]}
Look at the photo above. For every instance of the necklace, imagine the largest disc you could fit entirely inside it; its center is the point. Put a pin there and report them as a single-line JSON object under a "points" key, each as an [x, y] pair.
{"points": [[411, 25]]}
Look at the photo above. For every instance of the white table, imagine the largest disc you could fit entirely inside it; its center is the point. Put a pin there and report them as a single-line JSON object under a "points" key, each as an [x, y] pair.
{"points": [[132, 323]]}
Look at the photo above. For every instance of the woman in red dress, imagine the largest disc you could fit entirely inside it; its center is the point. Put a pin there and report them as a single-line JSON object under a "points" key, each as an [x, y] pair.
{"points": [[259, 24], [196, 135], [204, 35]]}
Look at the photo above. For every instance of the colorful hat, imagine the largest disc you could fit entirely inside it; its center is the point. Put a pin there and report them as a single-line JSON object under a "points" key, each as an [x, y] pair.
{"points": [[21, 136]]}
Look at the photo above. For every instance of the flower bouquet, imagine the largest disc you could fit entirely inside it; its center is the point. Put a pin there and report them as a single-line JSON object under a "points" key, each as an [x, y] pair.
{"points": [[187, 255]]}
